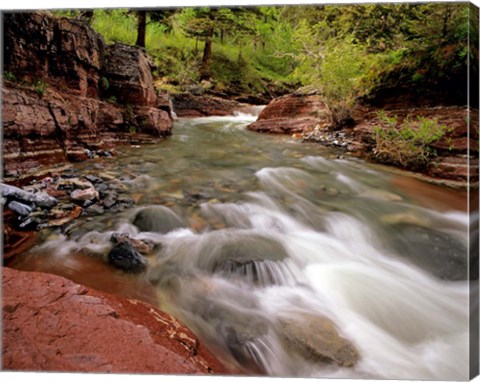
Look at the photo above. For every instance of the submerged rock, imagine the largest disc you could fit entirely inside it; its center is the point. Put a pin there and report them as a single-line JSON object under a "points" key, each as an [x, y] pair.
{"points": [[316, 338], [157, 219], [126, 258], [254, 259], [441, 254]]}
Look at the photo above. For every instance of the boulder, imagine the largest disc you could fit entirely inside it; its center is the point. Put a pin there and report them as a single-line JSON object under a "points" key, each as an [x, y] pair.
{"points": [[316, 338], [255, 259], [128, 72], [157, 219], [126, 258], [53, 324], [153, 121], [143, 247], [293, 113]]}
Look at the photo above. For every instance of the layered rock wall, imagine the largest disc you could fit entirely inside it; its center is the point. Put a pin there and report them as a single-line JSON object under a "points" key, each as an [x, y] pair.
{"points": [[67, 95]]}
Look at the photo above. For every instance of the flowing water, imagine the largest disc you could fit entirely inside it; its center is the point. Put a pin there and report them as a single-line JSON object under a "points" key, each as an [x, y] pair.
{"points": [[255, 231]]}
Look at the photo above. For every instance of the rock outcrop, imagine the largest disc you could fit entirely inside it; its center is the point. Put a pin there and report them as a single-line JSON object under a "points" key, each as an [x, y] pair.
{"points": [[190, 105], [305, 116], [293, 113], [53, 324], [67, 95]]}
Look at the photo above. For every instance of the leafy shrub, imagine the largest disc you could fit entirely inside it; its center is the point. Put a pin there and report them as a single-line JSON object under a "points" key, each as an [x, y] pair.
{"points": [[337, 65], [406, 144]]}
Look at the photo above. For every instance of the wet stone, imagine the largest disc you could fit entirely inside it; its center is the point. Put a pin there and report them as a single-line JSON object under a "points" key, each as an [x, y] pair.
{"points": [[157, 219], [87, 203], [106, 176], [94, 209], [67, 206], [101, 187], [41, 199], [143, 247], [255, 259], [316, 338], [109, 200], [442, 255], [74, 183], [93, 178], [20, 208], [86, 194], [126, 258]]}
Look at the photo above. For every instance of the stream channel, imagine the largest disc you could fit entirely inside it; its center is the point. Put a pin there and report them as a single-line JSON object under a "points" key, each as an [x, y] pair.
{"points": [[285, 258]]}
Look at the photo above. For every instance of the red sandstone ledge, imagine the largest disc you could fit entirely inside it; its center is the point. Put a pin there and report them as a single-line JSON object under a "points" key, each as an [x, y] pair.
{"points": [[53, 324]]}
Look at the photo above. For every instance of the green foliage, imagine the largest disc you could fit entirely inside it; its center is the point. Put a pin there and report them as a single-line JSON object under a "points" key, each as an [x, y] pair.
{"points": [[40, 86], [337, 65], [115, 25], [9, 76], [406, 144], [345, 50]]}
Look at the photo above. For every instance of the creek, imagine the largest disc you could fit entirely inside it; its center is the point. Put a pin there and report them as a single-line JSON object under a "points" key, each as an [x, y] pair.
{"points": [[268, 248]]}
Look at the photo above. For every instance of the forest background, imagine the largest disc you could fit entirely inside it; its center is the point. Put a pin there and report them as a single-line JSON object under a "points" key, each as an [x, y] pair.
{"points": [[346, 51]]}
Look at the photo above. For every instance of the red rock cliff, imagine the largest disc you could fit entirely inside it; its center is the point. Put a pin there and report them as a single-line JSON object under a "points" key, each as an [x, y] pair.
{"points": [[67, 95]]}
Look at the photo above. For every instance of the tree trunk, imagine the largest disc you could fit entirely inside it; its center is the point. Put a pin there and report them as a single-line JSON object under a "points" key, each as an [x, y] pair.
{"points": [[141, 28], [206, 59]]}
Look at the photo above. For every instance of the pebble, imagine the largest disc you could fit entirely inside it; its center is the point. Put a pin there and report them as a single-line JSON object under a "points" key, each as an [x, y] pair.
{"points": [[93, 178], [95, 209], [106, 176], [86, 194], [109, 200], [75, 183], [20, 208]]}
